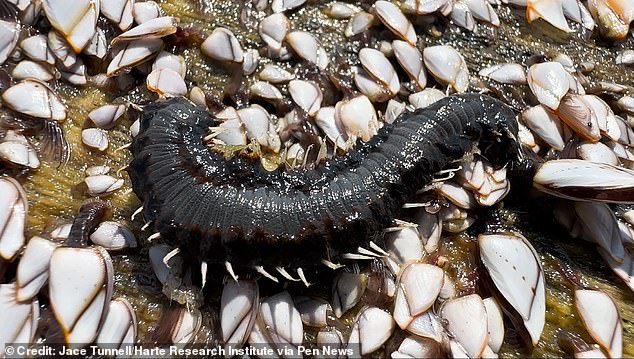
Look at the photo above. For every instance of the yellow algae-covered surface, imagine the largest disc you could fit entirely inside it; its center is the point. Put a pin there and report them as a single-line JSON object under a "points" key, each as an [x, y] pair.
{"points": [[55, 192]]}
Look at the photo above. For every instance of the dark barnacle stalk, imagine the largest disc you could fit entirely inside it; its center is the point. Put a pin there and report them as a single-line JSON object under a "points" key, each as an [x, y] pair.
{"points": [[90, 215]]}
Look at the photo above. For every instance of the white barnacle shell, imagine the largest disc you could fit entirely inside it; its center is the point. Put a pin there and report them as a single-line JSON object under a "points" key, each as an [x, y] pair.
{"points": [[232, 132], [549, 82], [425, 98], [281, 320], [482, 10], [386, 48], [417, 347], [95, 138], [577, 112], [197, 96], [60, 48], [525, 137], [15, 149], [313, 311], [461, 15], [239, 305], [135, 127], [359, 23], [222, 45], [75, 19], [330, 336], [228, 113], [371, 329], [545, 124], [602, 320], [566, 62], [165, 268], [119, 12], [36, 99], [98, 45], [266, 91], [133, 53], [145, 11], [347, 289], [340, 10], [76, 74], [403, 246], [427, 325], [283, 54], [625, 57], [621, 151], [447, 66], [8, 39], [392, 17], [599, 225], [97, 170], [516, 271], [166, 82], [429, 229], [422, 7], [13, 212], [467, 322], [411, 60], [576, 11], [251, 61], [550, 10], [370, 87], [509, 73], [170, 61], [626, 103], [36, 48], [495, 323], [275, 74], [151, 29], [308, 48], [380, 68], [295, 155], [119, 328], [457, 195], [284, 5], [61, 232], [393, 110], [273, 30], [258, 126], [306, 94], [80, 288], [32, 271], [597, 152], [325, 120], [186, 326], [102, 185], [579, 179], [107, 116], [19, 320], [418, 287], [495, 186], [472, 175], [613, 16], [113, 236], [358, 116], [30, 11]]}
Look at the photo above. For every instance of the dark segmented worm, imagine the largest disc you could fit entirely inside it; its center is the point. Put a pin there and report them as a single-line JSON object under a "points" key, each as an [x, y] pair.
{"points": [[233, 210]]}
